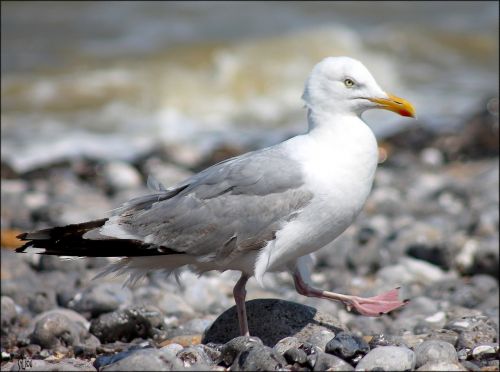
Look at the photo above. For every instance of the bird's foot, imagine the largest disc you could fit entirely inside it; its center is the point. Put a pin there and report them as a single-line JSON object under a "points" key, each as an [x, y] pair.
{"points": [[377, 305]]}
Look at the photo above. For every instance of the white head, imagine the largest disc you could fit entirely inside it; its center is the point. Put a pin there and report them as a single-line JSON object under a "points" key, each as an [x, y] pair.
{"points": [[344, 85]]}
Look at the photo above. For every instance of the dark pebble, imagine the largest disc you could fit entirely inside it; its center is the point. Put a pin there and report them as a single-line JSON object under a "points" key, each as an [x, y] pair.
{"points": [[295, 355], [347, 346], [259, 358], [125, 325], [232, 348]]}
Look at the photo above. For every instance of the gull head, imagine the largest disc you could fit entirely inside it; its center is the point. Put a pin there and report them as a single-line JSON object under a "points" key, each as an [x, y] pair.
{"points": [[343, 85]]}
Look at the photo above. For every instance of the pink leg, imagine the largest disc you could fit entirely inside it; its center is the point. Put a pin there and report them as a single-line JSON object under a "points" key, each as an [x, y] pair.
{"points": [[372, 306], [240, 293]]}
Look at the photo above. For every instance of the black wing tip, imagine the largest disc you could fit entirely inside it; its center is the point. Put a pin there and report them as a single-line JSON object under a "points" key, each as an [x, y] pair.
{"points": [[22, 236]]}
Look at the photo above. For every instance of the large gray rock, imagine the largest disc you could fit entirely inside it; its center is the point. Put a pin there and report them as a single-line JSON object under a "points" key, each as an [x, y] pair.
{"points": [[327, 362], [55, 330], [442, 366], [388, 358], [435, 351], [272, 320]]}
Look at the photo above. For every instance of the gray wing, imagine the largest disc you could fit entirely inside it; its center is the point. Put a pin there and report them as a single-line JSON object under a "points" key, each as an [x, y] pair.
{"points": [[233, 206]]}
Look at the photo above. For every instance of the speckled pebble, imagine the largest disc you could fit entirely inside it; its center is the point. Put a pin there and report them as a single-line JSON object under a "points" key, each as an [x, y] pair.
{"points": [[389, 358], [237, 345], [286, 343]]}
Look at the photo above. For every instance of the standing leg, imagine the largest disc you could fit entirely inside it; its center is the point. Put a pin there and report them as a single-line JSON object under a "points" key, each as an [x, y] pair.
{"points": [[240, 293], [373, 306]]}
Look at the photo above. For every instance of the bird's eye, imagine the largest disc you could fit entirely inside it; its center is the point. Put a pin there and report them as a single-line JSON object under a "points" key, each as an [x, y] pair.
{"points": [[349, 83]]}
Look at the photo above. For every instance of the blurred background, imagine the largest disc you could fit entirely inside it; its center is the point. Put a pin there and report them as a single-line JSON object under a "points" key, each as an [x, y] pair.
{"points": [[102, 80], [98, 95]]}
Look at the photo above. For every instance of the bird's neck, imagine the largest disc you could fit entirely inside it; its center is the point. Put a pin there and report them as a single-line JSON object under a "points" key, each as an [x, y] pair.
{"points": [[324, 122]]}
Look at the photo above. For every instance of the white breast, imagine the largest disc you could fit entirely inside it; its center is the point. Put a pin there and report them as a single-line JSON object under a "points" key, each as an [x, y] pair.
{"points": [[339, 164]]}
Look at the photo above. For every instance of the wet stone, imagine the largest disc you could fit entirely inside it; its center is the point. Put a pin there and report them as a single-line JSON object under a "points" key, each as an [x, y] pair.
{"points": [[347, 346]]}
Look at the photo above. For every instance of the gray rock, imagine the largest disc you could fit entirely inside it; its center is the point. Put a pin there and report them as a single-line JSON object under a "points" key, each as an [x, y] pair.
{"points": [[446, 335], [258, 358], [442, 366], [473, 331], [435, 351], [388, 358], [295, 355], [147, 360], [326, 362], [9, 313], [287, 318], [347, 346], [55, 330], [237, 345], [287, 343], [321, 338], [101, 298], [125, 325]]}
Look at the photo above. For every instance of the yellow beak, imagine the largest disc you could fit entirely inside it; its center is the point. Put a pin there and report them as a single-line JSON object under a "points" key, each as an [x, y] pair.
{"points": [[395, 104]]}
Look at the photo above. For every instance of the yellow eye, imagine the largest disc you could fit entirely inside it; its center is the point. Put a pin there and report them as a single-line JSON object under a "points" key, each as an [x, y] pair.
{"points": [[348, 83]]}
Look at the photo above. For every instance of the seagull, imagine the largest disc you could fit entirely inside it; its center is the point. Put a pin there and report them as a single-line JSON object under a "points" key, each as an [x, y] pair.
{"points": [[264, 211]]}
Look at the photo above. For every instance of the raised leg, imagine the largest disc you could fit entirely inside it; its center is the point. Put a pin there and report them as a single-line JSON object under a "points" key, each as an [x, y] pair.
{"points": [[372, 306], [240, 293]]}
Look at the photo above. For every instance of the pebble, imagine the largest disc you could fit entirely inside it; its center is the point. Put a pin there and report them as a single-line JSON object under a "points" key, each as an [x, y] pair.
{"points": [[258, 358], [237, 345], [195, 357], [101, 298], [485, 352], [442, 366], [9, 312], [146, 360], [69, 364], [347, 346], [125, 325], [54, 330], [321, 338], [288, 319], [295, 355], [327, 362], [435, 351], [473, 331], [388, 358], [286, 343]]}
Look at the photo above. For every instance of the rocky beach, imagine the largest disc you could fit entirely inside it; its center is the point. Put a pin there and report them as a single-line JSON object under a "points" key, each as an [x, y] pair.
{"points": [[98, 95], [429, 226]]}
